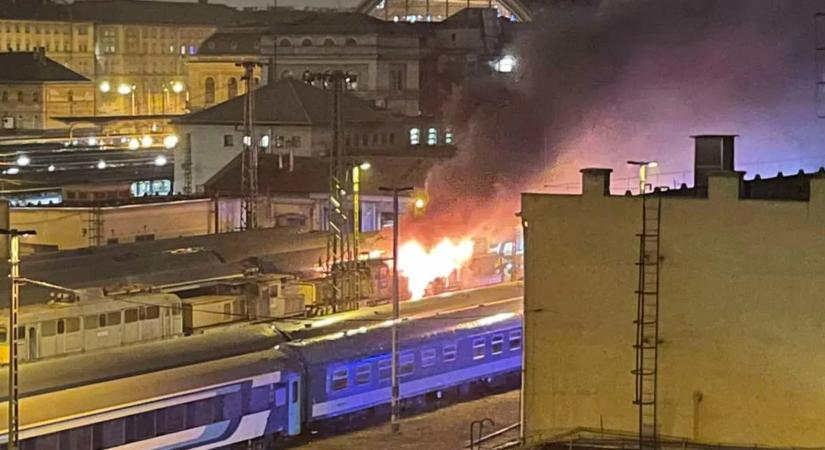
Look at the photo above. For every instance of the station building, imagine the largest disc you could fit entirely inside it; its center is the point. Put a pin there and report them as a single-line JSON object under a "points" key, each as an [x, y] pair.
{"points": [[740, 348]]}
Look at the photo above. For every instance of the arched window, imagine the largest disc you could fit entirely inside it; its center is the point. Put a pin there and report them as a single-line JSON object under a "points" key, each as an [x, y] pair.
{"points": [[20, 96], [232, 88], [329, 42], [285, 43], [209, 91], [5, 96], [307, 42], [351, 42]]}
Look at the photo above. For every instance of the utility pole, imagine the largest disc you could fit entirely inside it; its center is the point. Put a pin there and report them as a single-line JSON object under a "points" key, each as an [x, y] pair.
{"points": [[14, 360], [395, 423], [342, 231], [249, 158]]}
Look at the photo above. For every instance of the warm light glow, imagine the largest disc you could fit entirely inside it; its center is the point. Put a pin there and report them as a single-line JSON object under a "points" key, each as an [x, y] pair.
{"points": [[92, 140], [51, 168], [177, 87], [146, 141], [365, 165], [13, 171], [419, 203], [170, 141], [101, 164], [134, 144], [421, 267], [124, 89], [105, 87], [23, 160], [653, 164], [160, 160]]}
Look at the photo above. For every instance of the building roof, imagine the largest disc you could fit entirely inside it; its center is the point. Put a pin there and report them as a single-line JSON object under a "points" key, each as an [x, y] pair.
{"points": [[125, 12], [290, 102], [311, 175], [521, 8], [34, 67]]}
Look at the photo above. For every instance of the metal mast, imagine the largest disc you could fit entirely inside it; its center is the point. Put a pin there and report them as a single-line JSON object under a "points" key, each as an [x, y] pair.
{"points": [[249, 159], [342, 230], [647, 322]]}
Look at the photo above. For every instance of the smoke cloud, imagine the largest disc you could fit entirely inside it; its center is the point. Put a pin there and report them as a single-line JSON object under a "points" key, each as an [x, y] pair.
{"points": [[599, 83]]}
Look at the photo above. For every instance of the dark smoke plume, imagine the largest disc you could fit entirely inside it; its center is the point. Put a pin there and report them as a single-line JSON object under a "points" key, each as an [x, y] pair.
{"points": [[599, 83]]}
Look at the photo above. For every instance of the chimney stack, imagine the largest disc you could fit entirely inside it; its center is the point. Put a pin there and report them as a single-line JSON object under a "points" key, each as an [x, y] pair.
{"points": [[712, 153]]}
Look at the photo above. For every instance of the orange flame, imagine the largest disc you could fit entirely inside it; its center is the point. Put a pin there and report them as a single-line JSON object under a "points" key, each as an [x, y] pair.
{"points": [[421, 267]]}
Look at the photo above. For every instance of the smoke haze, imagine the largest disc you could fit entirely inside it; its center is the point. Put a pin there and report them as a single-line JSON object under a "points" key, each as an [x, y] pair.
{"points": [[599, 83]]}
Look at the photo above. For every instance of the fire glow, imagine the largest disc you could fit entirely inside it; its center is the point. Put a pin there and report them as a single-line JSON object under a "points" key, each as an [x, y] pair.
{"points": [[421, 267]]}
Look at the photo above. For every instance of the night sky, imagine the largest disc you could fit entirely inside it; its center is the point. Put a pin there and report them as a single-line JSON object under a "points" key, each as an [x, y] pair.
{"points": [[293, 3]]}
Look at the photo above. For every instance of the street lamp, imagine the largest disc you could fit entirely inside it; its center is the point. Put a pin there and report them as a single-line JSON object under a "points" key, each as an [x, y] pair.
{"points": [[643, 166], [395, 425]]}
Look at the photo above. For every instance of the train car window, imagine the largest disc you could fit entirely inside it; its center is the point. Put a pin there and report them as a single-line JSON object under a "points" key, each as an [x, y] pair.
{"points": [[232, 405], [427, 357], [130, 315], [48, 328], [515, 339], [258, 399], [152, 312], [362, 374], [172, 419], [294, 392], [340, 379], [113, 318], [384, 369], [90, 322], [109, 434], [280, 396], [142, 313], [72, 324], [449, 353], [101, 320], [479, 347], [144, 426], [61, 326], [406, 364], [3, 334], [497, 344], [200, 413]]}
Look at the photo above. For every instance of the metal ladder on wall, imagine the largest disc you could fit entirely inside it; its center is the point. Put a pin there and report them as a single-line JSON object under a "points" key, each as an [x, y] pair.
{"points": [[647, 322], [94, 226]]}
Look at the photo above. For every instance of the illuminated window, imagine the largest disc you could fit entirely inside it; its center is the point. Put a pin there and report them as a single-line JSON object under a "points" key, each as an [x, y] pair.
{"points": [[515, 339], [384, 369], [448, 136], [497, 344], [432, 136], [479, 348], [449, 353], [427, 357], [340, 379], [415, 136], [362, 374]]}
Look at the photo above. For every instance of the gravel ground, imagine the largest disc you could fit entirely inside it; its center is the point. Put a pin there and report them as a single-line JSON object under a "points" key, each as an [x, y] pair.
{"points": [[444, 429]]}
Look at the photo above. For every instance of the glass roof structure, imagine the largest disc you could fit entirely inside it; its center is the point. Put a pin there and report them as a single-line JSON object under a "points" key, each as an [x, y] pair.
{"points": [[438, 10]]}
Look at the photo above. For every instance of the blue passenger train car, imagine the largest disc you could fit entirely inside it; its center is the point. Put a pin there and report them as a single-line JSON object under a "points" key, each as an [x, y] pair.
{"points": [[352, 374]]}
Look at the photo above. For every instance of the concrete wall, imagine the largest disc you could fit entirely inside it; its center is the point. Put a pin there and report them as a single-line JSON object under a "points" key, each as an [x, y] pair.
{"points": [[69, 228], [741, 315]]}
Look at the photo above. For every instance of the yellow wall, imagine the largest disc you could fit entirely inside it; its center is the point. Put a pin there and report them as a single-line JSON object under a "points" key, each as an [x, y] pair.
{"points": [[742, 315], [68, 228]]}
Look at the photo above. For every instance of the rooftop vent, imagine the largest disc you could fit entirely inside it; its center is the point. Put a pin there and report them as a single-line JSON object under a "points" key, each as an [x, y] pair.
{"points": [[713, 153]]}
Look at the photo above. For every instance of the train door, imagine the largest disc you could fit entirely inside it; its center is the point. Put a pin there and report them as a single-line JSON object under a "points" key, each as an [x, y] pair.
{"points": [[131, 326], [48, 339], [72, 336], [294, 405], [32, 341]]}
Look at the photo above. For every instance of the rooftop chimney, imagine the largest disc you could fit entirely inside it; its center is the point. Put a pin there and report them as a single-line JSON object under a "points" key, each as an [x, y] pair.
{"points": [[713, 153]]}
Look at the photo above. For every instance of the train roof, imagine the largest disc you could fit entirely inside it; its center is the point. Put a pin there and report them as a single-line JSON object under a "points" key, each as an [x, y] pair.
{"points": [[161, 262], [101, 397], [375, 338], [100, 366]]}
